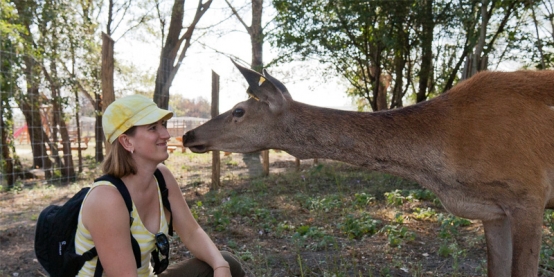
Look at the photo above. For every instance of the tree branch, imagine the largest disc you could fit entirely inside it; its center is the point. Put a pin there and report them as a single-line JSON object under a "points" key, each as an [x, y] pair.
{"points": [[238, 17]]}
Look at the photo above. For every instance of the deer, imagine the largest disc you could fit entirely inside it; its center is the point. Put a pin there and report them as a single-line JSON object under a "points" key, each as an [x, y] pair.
{"points": [[485, 148]]}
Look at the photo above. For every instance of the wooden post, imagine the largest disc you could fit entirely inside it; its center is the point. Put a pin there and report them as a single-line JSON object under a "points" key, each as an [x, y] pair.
{"points": [[265, 164], [216, 182]]}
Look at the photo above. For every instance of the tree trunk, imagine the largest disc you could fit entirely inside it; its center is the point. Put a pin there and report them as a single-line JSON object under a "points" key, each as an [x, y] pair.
{"points": [[169, 63], [252, 160], [539, 42], [169, 54], [108, 95], [379, 100], [30, 106], [30, 102], [402, 46], [384, 83], [78, 123], [98, 133], [6, 168], [55, 118], [426, 51], [67, 168], [397, 91], [257, 42], [476, 65], [257, 36]]}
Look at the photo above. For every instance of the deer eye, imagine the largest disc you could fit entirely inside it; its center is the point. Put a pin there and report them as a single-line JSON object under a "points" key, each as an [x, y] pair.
{"points": [[238, 112]]}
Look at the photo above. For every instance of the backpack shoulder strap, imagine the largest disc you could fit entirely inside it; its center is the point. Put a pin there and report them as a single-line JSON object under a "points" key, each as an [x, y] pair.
{"points": [[165, 200]]}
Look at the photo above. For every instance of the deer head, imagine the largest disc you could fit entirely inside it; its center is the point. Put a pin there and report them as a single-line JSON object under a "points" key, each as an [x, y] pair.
{"points": [[250, 125]]}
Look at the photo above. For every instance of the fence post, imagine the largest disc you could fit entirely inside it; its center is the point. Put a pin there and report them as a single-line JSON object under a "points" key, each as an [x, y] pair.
{"points": [[265, 163], [216, 182]]}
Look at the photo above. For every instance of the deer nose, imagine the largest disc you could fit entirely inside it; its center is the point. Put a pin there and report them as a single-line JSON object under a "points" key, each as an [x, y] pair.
{"points": [[188, 137]]}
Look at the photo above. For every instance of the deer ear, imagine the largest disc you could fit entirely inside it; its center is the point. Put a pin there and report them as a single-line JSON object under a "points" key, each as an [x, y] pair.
{"points": [[251, 76], [279, 85], [263, 89]]}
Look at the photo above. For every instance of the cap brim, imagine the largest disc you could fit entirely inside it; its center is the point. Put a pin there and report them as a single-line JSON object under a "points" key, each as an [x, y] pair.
{"points": [[151, 115]]}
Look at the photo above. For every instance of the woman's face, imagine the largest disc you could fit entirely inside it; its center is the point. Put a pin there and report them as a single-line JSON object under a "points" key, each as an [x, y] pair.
{"points": [[150, 141]]}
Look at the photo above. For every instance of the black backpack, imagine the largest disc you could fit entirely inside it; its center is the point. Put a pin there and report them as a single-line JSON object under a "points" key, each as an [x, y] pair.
{"points": [[57, 225]]}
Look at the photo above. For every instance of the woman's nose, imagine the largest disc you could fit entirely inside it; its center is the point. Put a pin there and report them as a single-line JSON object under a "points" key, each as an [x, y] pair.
{"points": [[164, 133]]}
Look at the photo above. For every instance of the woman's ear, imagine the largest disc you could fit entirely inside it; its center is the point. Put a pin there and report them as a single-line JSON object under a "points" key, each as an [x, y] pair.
{"points": [[125, 141]]}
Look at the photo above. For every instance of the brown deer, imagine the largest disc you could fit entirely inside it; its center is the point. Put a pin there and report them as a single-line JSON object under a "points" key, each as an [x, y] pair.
{"points": [[485, 148]]}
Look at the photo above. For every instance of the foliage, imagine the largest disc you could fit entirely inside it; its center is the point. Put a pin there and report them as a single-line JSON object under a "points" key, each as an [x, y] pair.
{"points": [[198, 107], [450, 225], [547, 247], [397, 234], [383, 46], [357, 226]]}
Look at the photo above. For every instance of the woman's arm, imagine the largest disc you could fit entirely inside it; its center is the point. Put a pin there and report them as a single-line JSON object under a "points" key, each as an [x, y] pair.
{"points": [[107, 219], [192, 235]]}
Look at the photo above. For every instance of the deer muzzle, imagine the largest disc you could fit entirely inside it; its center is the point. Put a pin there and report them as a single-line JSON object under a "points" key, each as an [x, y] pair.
{"points": [[190, 142], [188, 137]]}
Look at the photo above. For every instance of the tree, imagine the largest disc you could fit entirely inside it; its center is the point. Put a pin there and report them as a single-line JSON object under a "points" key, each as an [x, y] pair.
{"points": [[30, 99], [50, 32], [360, 39], [174, 48], [50, 29], [10, 165], [389, 52], [198, 107], [108, 94], [542, 13], [256, 32], [81, 78]]}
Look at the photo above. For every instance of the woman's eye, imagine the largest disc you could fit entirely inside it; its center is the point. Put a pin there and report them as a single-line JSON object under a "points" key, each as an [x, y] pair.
{"points": [[238, 112]]}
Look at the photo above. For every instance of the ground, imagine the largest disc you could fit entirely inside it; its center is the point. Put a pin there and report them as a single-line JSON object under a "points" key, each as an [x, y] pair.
{"points": [[324, 219]]}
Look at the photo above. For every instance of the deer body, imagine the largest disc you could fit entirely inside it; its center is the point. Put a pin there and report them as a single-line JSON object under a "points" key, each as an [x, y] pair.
{"points": [[485, 148]]}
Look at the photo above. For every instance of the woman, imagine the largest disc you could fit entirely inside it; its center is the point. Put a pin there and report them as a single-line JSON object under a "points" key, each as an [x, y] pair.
{"points": [[134, 127]]}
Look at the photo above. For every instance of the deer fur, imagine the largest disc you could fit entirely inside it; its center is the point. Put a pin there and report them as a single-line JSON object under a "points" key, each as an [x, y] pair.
{"points": [[485, 148]]}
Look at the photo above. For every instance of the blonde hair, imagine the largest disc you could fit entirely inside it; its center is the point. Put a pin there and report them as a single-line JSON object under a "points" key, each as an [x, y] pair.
{"points": [[119, 161]]}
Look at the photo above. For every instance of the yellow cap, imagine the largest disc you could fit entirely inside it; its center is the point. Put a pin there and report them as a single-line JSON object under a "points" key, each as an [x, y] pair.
{"points": [[129, 111]]}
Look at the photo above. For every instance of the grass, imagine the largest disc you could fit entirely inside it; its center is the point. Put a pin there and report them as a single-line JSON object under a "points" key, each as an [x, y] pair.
{"points": [[337, 220], [329, 219], [334, 220]]}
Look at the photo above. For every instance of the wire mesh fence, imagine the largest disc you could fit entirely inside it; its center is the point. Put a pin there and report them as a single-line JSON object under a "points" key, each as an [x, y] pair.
{"points": [[51, 131]]}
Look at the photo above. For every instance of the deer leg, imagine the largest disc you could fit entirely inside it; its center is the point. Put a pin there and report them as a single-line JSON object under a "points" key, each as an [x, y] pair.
{"points": [[526, 234], [498, 235]]}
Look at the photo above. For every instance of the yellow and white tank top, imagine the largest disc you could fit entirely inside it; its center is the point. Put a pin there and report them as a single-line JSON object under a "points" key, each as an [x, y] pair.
{"points": [[145, 239]]}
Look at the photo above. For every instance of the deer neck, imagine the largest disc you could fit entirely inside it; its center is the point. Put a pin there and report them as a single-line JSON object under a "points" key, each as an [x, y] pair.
{"points": [[397, 141]]}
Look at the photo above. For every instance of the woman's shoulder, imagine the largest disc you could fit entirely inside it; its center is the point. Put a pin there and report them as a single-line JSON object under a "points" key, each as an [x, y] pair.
{"points": [[104, 196], [104, 207]]}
